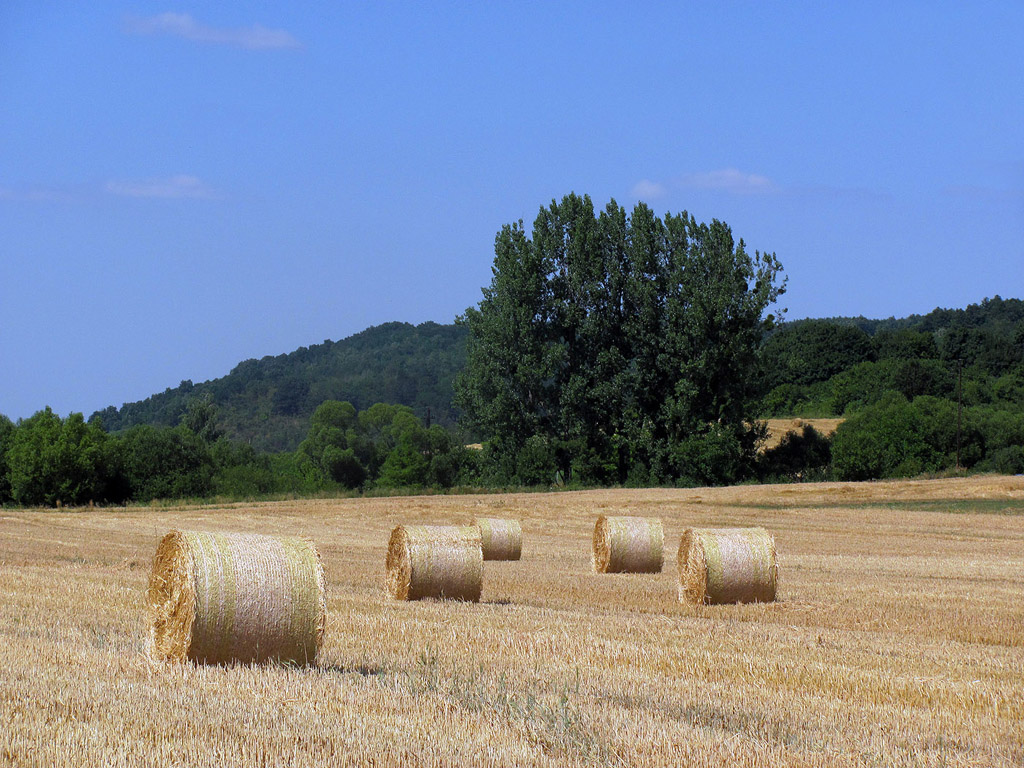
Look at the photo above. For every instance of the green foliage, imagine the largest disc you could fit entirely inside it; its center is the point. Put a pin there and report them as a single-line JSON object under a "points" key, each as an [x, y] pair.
{"points": [[535, 464], [716, 457], [810, 351], [1005, 461], [240, 472], [896, 437], [905, 344], [50, 459], [201, 418], [798, 456], [405, 466], [165, 463], [867, 383], [6, 432], [609, 341], [328, 448], [268, 402], [385, 445], [814, 401], [882, 440]]}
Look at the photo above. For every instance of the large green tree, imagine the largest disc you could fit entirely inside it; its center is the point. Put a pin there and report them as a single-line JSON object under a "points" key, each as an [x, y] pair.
{"points": [[617, 346], [6, 433], [50, 459], [164, 463]]}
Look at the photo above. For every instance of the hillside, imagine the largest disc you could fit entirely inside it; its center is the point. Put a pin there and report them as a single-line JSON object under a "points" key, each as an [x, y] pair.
{"points": [[268, 402], [809, 365]]}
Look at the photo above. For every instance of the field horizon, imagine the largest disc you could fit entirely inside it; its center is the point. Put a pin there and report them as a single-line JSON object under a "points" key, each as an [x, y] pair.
{"points": [[897, 639]]}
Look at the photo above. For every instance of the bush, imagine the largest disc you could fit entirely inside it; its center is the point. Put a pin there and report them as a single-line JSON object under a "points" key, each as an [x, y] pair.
{"points": [[50, 459], [716, 457], [882, 440], [165, 463], [535, 464], [1005, 461], [799, 456]]}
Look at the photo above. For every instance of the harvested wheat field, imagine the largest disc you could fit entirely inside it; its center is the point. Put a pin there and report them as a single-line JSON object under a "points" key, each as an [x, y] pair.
{"points": [[897, 639]]}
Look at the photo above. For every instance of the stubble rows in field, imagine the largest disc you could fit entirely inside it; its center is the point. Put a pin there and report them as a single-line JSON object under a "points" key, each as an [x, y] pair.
{"points": [[898, 639]]}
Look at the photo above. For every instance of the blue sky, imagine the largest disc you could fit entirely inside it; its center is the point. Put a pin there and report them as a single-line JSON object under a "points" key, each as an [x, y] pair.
{"points": [[185, 186]]}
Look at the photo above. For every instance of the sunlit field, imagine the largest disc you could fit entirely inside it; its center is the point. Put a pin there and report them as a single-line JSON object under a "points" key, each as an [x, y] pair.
{"points": [[898, 639]]}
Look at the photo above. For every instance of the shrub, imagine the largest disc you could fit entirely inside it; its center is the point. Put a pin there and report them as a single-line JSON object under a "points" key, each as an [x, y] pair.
{"points": [[798, 456]]}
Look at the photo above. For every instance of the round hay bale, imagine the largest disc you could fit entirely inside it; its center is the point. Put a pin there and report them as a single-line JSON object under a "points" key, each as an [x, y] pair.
{"points": [[628, 545], [500, 539], [223, 597], [727, 565], [443, 561]]}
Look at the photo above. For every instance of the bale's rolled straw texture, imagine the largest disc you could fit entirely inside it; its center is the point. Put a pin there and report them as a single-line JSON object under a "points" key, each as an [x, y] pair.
{"points": [[501, 539], [222, 597], [444, 561], [727, 565], [628, 545]]}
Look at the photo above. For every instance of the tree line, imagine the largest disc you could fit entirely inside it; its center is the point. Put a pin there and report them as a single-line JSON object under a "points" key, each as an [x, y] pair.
{"points": [[924, 394], [47, 460], [612, 347]]}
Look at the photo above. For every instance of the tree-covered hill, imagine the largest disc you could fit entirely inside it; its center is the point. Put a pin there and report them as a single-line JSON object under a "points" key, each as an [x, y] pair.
{"points": [[926, 393], [814, 367], [986, 338], [268, 402]]}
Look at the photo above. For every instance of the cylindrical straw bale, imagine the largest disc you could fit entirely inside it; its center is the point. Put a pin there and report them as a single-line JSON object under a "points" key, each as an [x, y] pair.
{"points": [[628, 545], [501, 539], [223, 597], [727, 565], [443, 561]]}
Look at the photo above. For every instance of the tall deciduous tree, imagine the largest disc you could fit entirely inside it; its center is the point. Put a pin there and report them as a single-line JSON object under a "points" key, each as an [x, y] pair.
{"points": [[52, 459], [614, 344], [6, 433]]}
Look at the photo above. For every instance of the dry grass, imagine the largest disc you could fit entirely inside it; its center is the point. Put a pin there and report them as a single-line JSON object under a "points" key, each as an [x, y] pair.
{"points": [[898, 640]]}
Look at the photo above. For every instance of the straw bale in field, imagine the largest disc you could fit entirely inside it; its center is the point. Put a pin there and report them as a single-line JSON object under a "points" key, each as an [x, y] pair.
{"points": [[727, 565], [501, 539], [443, 561], [628, 545], [223, 597]]}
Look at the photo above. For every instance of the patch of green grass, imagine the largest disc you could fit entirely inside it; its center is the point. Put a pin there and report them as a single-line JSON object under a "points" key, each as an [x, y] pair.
{"points": [[953, 506]]}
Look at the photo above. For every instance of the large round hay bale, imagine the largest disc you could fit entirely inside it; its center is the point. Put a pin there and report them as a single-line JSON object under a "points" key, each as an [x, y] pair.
{"points": [[500, 539], [223, 597], [628, 545], [727, 565], [443, 561]]}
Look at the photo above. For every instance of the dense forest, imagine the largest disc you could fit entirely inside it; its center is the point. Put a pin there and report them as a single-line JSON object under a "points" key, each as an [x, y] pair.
{"points": [[612, 347], [919, 394]]}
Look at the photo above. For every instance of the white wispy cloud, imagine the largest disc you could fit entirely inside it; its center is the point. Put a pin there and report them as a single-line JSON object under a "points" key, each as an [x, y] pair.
{"points": [[254, 38], [648, 190], [32, 194], [176, 187], [730, 180]]}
